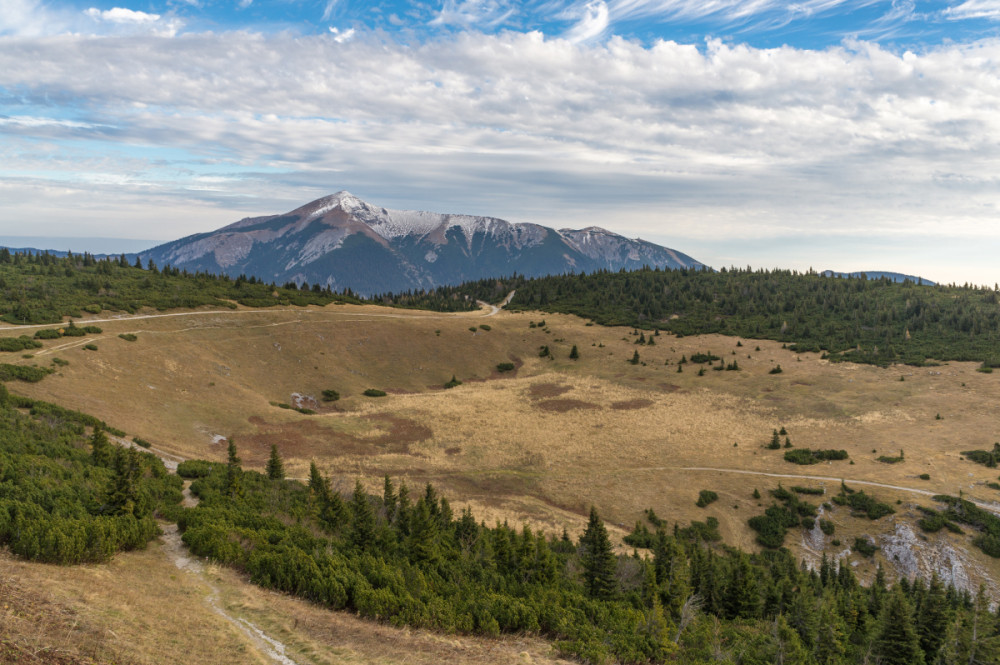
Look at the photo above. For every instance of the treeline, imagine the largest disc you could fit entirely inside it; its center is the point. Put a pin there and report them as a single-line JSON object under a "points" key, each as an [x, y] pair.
{"points": [[44, 288], [67, 498], [409, 560], [852, 318]]}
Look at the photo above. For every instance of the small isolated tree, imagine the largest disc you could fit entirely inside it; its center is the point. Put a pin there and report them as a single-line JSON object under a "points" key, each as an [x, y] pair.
{"points": [[775, 441], [275, 467], [454, 382], [635, 358], [233, 471], [574, 354]]}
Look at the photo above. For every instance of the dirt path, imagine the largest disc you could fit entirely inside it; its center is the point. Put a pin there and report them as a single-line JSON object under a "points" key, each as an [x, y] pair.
{"points": [[495, 309], [174, 548], [992, 507], [233, 312]]}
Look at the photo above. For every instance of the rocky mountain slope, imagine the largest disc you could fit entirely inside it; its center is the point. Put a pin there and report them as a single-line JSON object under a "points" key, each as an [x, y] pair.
{"points": [[344, 242]]}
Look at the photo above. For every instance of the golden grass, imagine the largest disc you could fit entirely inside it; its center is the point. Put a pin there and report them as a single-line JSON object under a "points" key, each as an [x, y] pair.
{"points": [[541, 444]]}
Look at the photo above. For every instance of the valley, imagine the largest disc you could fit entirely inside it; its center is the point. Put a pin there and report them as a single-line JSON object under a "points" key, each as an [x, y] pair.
{"points": [[540, 444]]}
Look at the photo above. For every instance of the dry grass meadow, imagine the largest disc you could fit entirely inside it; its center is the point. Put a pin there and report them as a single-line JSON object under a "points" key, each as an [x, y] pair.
{"points": [[538, 445]]}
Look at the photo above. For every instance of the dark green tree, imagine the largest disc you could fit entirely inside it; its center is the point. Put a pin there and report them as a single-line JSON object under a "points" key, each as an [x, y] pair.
{"points": [[125, 495], [100, 448], [275, 467], [574, 354], [897, 642], [362, 519], [233, 472], [597, 559]]}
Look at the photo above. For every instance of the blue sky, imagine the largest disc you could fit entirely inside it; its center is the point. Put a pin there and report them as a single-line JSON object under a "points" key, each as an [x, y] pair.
{"points": [[823, 133]]}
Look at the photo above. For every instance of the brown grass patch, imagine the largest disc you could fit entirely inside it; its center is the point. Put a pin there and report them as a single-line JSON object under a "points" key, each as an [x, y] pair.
{"points": [[305, 439], [543, 390], [631, 404], [564, 405]]}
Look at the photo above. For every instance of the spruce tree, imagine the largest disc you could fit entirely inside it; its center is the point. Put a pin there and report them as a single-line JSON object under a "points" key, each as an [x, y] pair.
{"points": [[635, 358], [125, 497], [389, 498], [933, 618], [275, 467], [362, 519], [233, 471], [101, 451], [574, 354], [598, 559], [896, 640]]}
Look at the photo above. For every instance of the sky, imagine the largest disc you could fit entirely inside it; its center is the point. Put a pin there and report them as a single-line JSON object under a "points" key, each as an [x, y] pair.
{"points": [[840, 134]]}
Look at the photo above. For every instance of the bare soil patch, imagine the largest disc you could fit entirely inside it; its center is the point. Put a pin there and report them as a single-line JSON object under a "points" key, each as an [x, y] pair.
{"points": [[564, 405]]}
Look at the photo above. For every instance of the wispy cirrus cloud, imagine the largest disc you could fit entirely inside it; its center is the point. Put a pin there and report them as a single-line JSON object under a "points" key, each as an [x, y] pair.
{"points": [[989, 9]]}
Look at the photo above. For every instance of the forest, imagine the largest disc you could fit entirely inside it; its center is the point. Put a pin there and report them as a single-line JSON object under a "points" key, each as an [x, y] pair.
{"points": [[847, 318], [43, 288]]}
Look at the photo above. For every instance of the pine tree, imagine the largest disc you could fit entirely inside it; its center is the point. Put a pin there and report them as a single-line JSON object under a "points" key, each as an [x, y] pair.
{"points": [[933, 618], [101, 451], [362, 519], [574, 354], [635, 358], [787, 645], [598, 559], [233, 472], [125, 497], [896, 640], [389, 498], [275, 467]]}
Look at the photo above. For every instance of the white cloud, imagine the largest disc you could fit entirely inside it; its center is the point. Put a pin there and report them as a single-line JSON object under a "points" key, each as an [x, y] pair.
{"points": [[474, 13], [341, 36], [122, 15], [666, 141], [975, 9], [593, 23]]}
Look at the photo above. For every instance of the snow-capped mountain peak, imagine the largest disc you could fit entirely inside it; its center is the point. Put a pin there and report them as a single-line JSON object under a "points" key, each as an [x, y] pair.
{"points": [[344, 242]]}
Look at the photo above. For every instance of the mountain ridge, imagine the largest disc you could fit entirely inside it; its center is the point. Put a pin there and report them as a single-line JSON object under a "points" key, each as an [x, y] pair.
{"points": [[343, 242]]}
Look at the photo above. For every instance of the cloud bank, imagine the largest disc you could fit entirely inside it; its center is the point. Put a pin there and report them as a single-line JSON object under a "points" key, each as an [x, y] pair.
{"points": [[671, 141]]}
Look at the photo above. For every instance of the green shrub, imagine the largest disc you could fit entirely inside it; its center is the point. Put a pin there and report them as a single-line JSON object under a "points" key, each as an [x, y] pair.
{"points": [[452, 383], [776, 370], [924, 476], [21, 343], [129, 337], [505, 367], [816, 491], [196, 468], [60, 362], [863, 505], [827, 527], [141, 442], [486, 327], [47, 333], [807, 456], [864, 546], [374, 392], [330, 395], [22, 373], [90, 347], [706, 497]]}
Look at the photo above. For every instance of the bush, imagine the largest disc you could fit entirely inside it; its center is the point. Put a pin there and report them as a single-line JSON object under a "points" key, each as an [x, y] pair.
{"points": [[807, 456], [141, 442], [22, 373], [47, 333], [816, 491], [90, 347], [195, 468], [703, 357], [129, 337], [453, 383], [21, 343], [374, 392], [505, 367], [483, 326], [924, 476], [706, 497], [827, 527], [330, 395], [776, 370], [863, 505], [864, 546]]}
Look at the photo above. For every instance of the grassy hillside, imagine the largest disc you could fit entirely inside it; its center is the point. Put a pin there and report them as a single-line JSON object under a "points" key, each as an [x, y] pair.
{"points": [[871, 321]]}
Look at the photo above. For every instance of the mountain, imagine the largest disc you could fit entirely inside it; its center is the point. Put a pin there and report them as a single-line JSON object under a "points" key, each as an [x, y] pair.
{"points": [[879, 274], [343, 242]]}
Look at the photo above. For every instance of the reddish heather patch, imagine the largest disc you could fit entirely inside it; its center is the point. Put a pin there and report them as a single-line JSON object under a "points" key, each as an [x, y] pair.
{"points": [[564, 405], [307, 438], [631, 404], [540, 390]]}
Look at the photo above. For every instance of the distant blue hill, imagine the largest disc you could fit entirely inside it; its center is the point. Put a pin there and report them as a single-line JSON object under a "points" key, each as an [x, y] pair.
{"points": [[879, 274]]}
